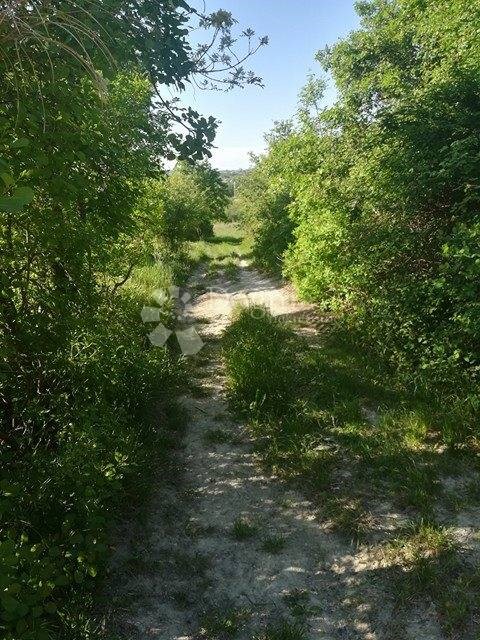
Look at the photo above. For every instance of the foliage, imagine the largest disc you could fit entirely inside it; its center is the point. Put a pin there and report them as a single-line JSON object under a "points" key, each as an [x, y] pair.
{"points": [[84, 130], [266, 220], [264, 196], [193, 197], [57, 503], [41, 45], [384, 200], [55, 251]]}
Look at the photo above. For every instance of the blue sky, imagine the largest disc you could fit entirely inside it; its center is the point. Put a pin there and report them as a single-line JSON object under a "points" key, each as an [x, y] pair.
{"points": [[297, 30]]}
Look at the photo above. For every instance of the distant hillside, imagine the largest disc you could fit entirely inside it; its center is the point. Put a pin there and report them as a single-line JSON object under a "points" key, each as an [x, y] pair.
{"points": [[232, 176]]}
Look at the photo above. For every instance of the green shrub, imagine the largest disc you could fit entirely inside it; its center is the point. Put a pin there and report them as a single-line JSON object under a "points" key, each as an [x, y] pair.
{"points": [[264, 196], [259, 353], [83, 203], [58, 499], [190, 199], [382, 188]]}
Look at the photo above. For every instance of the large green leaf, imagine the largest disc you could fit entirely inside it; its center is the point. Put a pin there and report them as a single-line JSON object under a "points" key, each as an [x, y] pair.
{"points": [[19, 199]]}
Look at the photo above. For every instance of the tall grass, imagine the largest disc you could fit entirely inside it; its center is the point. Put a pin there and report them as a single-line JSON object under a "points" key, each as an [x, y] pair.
{"points": [[260, 363]]}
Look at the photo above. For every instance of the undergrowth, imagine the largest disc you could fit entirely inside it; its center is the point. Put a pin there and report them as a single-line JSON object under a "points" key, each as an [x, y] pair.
{"points": [[60, 495]]}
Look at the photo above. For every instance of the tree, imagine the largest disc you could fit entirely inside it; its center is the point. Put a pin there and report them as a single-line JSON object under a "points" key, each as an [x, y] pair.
{"points": [[39, 43], [83, 124], [193, 197]]}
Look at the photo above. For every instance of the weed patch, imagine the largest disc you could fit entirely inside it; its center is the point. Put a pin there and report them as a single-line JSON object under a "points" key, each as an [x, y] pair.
{"points": [[284, 630], [274, 544], [431, 566], [297, 601], [259, 353]]}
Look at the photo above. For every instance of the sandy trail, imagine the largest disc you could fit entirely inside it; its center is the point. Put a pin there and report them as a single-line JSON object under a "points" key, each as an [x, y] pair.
{"points": [[178, 574]]}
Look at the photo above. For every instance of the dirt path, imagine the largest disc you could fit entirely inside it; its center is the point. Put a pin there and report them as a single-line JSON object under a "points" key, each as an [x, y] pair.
{"points": [[225, 550]]}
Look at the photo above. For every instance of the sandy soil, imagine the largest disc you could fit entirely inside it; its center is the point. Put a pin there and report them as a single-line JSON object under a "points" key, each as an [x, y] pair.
{"points": [[183, 568]]}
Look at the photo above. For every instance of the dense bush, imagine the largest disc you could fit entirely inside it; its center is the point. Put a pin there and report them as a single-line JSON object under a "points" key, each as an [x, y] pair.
{"points": [[385, 204], [264, 214], [265, 195], [263, 198], [193, 197], [57, 502]]}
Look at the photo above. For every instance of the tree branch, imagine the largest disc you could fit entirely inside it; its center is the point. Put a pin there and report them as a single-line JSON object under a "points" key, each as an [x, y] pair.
{"points": [[119, 284]]}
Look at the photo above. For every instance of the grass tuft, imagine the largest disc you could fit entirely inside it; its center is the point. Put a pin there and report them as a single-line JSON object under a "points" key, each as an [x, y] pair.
{"points": [[223, 625], [297, 601], [274, 544], [243, 529]]}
